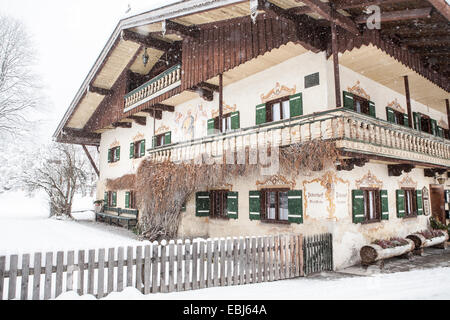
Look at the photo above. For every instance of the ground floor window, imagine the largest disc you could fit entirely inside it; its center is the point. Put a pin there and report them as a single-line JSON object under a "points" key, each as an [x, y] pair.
{"points": [[110, 199], [410, 202], [218, 207], [130, 200], [275, 205], [372, 208]]}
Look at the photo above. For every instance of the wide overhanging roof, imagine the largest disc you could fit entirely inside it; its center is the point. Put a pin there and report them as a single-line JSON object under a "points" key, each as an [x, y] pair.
{"points": [[119, 54]]}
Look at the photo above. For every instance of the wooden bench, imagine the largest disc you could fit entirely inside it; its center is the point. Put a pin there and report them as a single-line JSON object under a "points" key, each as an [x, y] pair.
{"points": [[111, 214]]}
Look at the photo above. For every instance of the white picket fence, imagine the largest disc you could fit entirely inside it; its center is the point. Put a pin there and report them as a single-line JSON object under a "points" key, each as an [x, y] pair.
{"points": [[159, 267]]}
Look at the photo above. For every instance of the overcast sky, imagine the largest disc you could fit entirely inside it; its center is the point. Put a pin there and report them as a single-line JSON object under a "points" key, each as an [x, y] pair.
{"points": [[68, 36]]}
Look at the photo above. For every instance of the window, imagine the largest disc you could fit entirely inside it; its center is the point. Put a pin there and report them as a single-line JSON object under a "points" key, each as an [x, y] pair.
{"points": [[162, 139], [410, 202], [278, 110], [372, 208], [218, 199], [275, 205], [114, 154], [425, 124], [226, 123], [110, 199], [159, 140], [137, 149], [361, 105]]}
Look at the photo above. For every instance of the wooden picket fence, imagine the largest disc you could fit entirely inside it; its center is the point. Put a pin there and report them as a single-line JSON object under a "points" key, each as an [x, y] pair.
{"points": [[163, 267]]}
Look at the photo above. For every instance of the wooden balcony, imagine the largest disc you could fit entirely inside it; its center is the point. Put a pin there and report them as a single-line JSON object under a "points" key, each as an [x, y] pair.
{"points": [[353, 133], [169, 79]]}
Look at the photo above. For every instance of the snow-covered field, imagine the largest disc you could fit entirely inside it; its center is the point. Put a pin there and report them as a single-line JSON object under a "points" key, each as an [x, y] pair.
{"points": [[427, 284], [26, 228]]}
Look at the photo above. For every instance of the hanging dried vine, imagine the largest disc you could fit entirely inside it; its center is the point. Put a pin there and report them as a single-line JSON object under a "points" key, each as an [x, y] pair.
{"points": [[163, 187]]}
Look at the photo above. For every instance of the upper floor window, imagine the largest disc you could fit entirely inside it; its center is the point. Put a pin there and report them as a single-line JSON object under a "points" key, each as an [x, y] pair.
{"points": [[280, 109], [426, 124], [359, 104], [137, 149], [230, 121], [397, 117], [162, 139], [113, 154]]}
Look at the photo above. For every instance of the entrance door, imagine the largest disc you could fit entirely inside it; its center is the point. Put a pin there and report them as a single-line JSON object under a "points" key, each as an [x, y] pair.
{"points": [[437, 202]]}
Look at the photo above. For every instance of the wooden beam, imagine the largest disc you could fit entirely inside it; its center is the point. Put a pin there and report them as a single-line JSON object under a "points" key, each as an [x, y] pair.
{"points": [[395, 170], [146, 41], [398, 15], [431, 173], [447, 106], [91, 160], [299, 10], [442, 7], [331, 15], [220, 102], [80, 133], [275, 10], [139, 120], [335, 53], [188, 31], [408, 102], [100, 91], [350, 4], [164, 107], [209, 86], [121, 124], [206, 94], [157, 114], [349, 164]]}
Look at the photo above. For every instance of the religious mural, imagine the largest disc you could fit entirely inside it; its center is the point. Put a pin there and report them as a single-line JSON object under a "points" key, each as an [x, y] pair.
{"points": [[192, 123]]}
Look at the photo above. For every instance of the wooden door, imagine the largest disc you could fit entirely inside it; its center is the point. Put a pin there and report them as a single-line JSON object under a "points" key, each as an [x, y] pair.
{"points": [[437, 202]]}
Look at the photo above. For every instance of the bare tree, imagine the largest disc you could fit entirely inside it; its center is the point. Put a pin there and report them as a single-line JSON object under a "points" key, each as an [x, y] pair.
{"points": [[18, 82], [61, 171]]}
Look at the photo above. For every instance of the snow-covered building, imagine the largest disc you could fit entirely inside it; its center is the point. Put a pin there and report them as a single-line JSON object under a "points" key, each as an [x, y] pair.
{"points": [[202, 77]]}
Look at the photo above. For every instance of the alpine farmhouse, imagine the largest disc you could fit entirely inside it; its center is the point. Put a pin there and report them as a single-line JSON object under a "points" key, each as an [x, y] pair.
{"points": [[203, 77]]}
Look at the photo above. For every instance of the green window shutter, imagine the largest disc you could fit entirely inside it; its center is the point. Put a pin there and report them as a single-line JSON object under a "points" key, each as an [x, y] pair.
{"points": [[390, 116], [109, 155], [417, 124], [127, 199], [296, 105], [202, 204], [232, 205], [255, 205], [419, 202], [384, 205], [433, 127], [114, 199], [405, 120], [358, 206], [168, 138], [131, 150], [372, 110], [235, 120], [295, 206], [105, 198], [400, 194], [260, 113], [211, 127], [348, 100], [118, 153], [142, 148], [153, 142]]}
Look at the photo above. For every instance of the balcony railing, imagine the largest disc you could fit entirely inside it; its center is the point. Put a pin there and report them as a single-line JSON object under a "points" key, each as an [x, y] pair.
{"points": [[352, 132], [169, 79]]}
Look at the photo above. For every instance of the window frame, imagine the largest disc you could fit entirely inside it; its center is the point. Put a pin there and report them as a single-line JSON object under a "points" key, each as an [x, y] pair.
{"points": [[399, 117], [424, 119], [222, 197], [226, 116], [357, 98], [413, 195], [137, 149], [263, 200], [160, 138], [269, 109], [377, 205], [114, 159]]}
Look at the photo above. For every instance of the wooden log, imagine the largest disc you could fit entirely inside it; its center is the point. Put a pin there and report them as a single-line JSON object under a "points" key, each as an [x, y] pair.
{"points": [[373, 252], [421, 242]]}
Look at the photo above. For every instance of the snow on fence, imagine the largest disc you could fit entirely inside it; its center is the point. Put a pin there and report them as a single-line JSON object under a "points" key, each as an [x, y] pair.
{"points": [[164, 267]]}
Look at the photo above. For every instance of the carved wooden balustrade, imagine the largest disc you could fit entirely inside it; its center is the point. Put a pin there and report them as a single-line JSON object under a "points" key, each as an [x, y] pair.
{"points": [[351, 131], [163, 82]]}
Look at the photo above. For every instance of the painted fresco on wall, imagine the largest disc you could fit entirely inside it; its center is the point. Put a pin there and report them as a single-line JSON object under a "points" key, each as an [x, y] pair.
{"points": [[226, 109], [396, 106], [192, 123], [278, 91], [358, 90], [369, 181], [326, 197], [426, 201], [407, 182]]}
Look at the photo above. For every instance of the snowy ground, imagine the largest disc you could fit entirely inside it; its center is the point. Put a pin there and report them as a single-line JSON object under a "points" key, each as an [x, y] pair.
{"points": [[26, 228], [427, 284]]}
